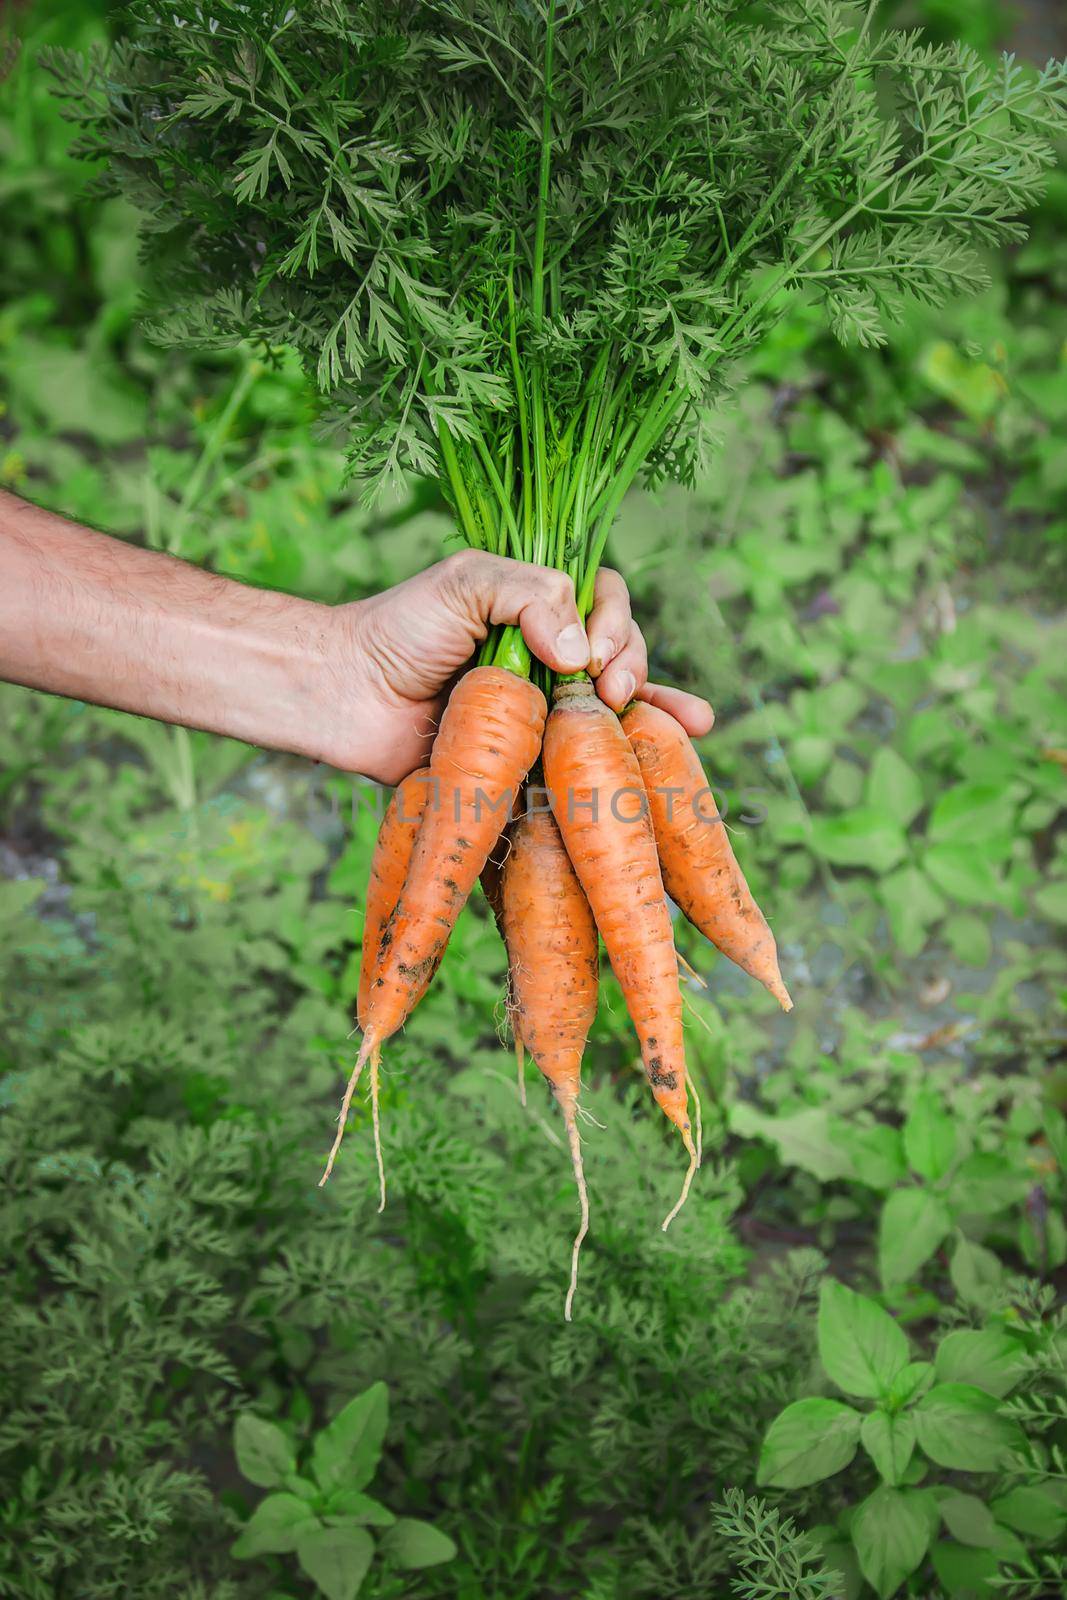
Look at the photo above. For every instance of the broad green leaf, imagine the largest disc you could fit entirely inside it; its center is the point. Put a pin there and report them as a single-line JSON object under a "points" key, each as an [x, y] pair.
{"points": [[1038, 1511], [968, 1519], [1051, 901], [910, 1383], [274, 1526], [912, 1225], [804, 1138], [875, 1153], [912, 905], [964, 1571], [988, 1358], [864, 837], [929, 1137], [889, 1441], [336, 1559], [986, 1183], [972, 814], [809, 1440], [356, 1507], [860, 1346], [413, 1544], [264, 1454], [975, 1271], [964, 874], [968, 936], [894, 786], [345, 1453], [960, 1426], [891, 1533]]}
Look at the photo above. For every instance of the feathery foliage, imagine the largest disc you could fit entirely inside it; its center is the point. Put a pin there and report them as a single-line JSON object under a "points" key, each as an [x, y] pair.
{"points": [[522, 245]]}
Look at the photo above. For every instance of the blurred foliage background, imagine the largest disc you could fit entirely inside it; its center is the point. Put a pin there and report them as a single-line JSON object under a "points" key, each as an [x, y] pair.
{"points": [[869, 585]]}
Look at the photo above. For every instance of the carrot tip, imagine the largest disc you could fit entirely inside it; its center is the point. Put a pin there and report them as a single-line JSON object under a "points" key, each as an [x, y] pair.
{"points": [[583, 1200], [684, 1196], [342, 1116]]}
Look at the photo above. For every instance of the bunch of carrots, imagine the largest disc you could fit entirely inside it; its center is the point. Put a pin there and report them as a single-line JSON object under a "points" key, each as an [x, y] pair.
{"points": [[619, 815]]}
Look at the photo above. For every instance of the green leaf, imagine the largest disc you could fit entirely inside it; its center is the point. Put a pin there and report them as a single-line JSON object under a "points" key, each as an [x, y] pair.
{"points": [[962, 1427], [1051, 901], [968, 1519], [988, 1358], [976, 1272], [804, 1139], [891, 1533], [860, 1346], [894, 786], [964, 874], [875, 1153], [1034, 1510], [274, 1526], [345, 1453], [968, 936], [912, 905], [861, 838], [1054, 1125], [964, 1572], [929, 1137], [413, 1544], [809, 1440], [912, 1225], [336, 1559], [889, 1441], [264, 1454], [972, 814], [915, 1378], [986, 1183], [360, 1508]]}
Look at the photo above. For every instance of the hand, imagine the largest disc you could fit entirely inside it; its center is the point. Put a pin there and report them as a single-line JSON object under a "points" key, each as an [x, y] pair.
{"points": [[402, 649]]}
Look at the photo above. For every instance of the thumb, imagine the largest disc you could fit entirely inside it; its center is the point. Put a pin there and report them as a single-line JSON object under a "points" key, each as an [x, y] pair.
{"points": [[539, 600]]}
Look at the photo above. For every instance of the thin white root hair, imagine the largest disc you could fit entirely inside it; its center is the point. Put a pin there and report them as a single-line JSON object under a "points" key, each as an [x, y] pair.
{"points": [[694, 1162], [583, 1200], [520, 1068], [692, 971], [342, 1116], [587, 1116], [691, 1086], [374, 1060]]}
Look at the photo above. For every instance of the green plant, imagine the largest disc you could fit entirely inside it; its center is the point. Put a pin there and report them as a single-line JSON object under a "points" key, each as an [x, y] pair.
{"points": [[949, 1410], [324, 1515], [510, 283]]}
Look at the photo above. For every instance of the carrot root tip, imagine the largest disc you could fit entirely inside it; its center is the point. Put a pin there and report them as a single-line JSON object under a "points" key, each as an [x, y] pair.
{"points": [[575, 1143], [342, 1116], [374, 1063], [694, 1162]]}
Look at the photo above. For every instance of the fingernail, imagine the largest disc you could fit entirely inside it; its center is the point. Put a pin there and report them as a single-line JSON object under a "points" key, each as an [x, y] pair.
{"points": [[572, 646], [627, 686], [607, 652]]}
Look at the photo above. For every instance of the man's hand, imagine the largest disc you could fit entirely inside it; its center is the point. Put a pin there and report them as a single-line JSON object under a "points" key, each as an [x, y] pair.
{"points": [[360, 686], [407, 644]]}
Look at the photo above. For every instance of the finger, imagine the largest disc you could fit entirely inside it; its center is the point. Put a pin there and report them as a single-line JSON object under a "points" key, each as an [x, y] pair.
{"points": [[625, 675], [695, 714], [608, 624], [539, 600]]}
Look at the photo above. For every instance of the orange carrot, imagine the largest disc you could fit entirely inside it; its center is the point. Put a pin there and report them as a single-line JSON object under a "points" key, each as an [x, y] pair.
{"points": [[700, 871], [552, 948], [389, 868], [599, 802], [488, 740]]}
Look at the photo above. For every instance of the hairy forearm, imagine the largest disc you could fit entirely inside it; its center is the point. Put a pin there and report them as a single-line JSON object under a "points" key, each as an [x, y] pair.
{"points": [[92, 617]]}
